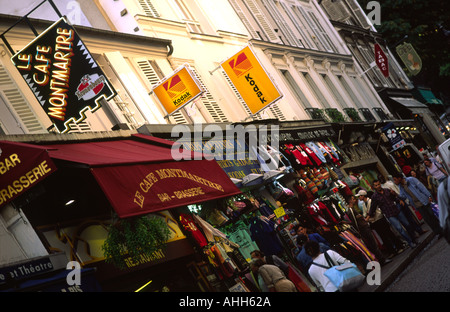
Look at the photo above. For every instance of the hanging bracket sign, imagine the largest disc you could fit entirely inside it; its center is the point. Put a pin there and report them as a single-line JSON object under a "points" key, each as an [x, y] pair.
{"points": [[381, 60], [251, 80], [177, 90], [63, 75]]}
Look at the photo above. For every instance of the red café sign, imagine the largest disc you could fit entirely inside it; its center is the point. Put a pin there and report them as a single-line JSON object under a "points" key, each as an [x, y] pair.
{"points": [[22, 166], [381, 60]]}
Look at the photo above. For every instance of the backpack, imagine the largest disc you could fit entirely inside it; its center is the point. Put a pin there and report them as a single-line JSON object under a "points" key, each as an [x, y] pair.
{"points": [[346, 277]]}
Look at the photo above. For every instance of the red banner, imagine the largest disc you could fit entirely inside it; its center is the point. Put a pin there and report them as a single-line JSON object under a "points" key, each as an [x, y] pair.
{"points": [[381, 60], [144, 188], [22, 166]]}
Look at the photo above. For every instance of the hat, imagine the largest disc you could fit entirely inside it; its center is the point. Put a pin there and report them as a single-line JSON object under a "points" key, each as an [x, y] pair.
{"points": [[362, 193]]}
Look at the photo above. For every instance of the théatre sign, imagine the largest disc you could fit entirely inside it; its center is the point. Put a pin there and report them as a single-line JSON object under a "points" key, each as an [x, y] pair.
{"points": [[63, 75]]}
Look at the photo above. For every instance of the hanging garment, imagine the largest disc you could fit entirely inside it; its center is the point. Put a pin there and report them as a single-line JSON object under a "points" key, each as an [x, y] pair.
{"points": [[189, 225], [295, 163], [300, 155], [329, 151], [319, 152], [211, 231], [263, 232], [358, 244], [310, 153], [242, 237], [332, 149], [316, 214]]}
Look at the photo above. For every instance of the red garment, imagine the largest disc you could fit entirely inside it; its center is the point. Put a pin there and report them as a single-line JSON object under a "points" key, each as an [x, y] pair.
{"points": [[189, 225], [310, 153], [300, 155], [321, 214]]}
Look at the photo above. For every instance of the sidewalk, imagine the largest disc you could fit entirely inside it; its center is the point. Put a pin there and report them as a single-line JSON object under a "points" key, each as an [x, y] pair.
{"points": [[392, 270]]}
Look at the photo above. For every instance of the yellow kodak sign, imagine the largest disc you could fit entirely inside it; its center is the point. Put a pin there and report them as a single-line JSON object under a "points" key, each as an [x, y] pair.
{"points": [[177, 90], [251, 80]]}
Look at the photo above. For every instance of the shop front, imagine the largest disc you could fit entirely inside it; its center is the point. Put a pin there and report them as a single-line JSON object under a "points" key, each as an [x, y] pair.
{"points": [[102, 180]]}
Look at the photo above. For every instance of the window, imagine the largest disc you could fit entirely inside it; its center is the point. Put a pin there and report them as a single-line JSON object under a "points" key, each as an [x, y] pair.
{"points": [[296, 89], [148, 8], [17, 107], [255, 20], [317, 32], [186, 16], [337, 95], [318, 93], [209, 102]]}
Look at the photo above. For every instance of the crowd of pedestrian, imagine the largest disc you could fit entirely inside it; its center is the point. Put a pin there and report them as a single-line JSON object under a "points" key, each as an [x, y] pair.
{"points": [[387, 218]]}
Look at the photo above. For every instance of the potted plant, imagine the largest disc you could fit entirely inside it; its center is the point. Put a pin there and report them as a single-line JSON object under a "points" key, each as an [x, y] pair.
{"points": [[133, 237]]}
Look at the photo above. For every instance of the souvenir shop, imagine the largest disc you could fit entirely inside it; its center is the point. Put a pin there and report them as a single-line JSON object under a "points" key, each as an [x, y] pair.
{"points": [[308, 189]]}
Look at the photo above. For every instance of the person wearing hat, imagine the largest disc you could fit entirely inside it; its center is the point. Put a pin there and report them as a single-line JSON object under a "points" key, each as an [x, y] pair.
{"points": [[379, 224]]}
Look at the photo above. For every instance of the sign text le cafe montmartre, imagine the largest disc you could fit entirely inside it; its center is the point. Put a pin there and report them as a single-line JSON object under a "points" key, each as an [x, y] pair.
{"points": [[63, 75]]}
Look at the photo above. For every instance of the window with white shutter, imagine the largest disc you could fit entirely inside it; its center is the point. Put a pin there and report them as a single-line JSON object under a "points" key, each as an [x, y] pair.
{"points": [[305, 38], [284, 30], [16, 102], [244, 19], [148, 68], [263, 23], [209, 102], [293, 85], [359, 14], [334, 91], [316, 91], [148, 8]]}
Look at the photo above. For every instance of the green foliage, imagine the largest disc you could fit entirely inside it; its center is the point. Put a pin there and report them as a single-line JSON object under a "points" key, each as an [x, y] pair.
{"points": [[353, 114], [133, 237], [335, 115], [423, 22]]}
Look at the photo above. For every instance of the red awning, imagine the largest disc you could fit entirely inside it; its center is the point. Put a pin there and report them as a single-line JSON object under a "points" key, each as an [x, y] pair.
{"points": [[22, 166], [139, 175]]}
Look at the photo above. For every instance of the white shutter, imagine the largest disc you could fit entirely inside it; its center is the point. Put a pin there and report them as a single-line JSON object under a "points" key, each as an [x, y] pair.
{"points": [[17, 102], [321, 33], [336, 10], [262, 21], [244, 19], [209, 102], [305, 40], [148, 8], [153, 78], [360, 15], [276, 111], [285, 29]]}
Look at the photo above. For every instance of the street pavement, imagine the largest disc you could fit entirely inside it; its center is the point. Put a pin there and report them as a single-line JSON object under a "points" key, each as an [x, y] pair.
{"points": [[429, 271], [391, 271]]}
